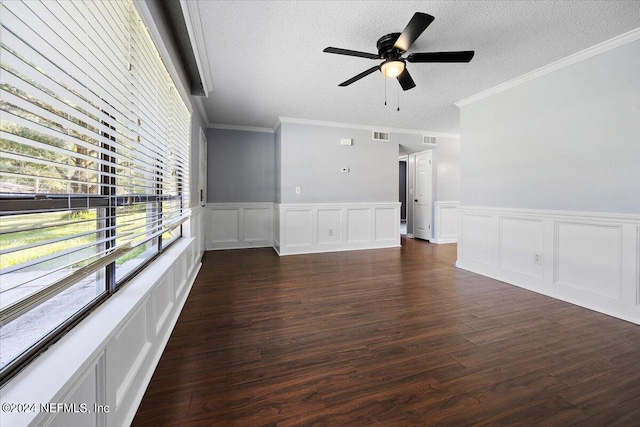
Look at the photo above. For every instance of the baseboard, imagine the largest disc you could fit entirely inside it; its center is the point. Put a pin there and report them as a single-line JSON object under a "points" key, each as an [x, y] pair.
{"points": [[444, 241], [240, 245], [536, 289]]}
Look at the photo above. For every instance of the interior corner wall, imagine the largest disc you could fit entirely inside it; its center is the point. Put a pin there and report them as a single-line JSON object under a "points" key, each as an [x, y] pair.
{"points": [[312, 159], [240, 166], [565, 141], [278, 164], [550, 184], [446, 160]]}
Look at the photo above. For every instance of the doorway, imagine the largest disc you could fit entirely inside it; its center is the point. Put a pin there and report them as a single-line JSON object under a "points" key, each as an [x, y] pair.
{"points": [[423, 196]]}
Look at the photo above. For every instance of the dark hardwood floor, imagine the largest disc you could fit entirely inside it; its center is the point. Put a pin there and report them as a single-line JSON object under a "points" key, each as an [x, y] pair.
{"points": [[389, 337]]}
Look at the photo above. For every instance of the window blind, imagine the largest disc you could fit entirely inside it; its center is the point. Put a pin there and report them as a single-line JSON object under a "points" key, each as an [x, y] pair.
{"points": [[94, 166]]}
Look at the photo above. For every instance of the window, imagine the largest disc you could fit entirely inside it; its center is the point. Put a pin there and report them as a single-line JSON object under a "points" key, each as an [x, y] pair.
{"points": [[94, 153]]}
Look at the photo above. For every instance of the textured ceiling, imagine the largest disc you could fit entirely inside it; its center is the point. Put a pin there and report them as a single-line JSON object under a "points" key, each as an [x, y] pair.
{"points": [[266, 59]]}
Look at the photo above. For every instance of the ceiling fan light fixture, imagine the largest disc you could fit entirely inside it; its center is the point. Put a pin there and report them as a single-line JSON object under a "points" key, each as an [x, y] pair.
{"points": [[392, 68]]}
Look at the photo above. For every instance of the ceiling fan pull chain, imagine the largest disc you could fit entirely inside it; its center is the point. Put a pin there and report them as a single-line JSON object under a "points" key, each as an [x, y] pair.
{"points": [[398, 98], [385, 91]]}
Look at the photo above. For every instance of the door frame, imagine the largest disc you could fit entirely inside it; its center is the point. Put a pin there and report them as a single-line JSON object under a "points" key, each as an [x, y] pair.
{"points": [[202, 170], [414, 195]]}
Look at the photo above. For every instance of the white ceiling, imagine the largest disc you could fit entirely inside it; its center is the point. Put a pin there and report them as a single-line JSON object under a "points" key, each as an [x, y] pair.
{"points": [[265, 57]]}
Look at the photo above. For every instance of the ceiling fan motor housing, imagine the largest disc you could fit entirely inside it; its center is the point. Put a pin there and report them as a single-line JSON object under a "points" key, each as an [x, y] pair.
{"points": [[385, 46]]}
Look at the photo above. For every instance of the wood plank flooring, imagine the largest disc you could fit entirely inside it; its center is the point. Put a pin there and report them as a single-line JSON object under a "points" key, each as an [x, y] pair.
{"points": [[389, 337]]}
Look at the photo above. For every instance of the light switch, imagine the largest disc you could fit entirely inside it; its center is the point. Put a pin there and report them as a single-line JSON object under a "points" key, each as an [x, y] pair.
{"points": [[346, 141], [297, 190]]}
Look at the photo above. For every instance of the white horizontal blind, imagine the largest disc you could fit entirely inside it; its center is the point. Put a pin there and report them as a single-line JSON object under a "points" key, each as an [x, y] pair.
{"points": [[94, 143]]}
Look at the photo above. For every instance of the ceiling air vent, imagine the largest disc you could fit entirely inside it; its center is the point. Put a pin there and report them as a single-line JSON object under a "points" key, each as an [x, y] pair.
{"points": [[380, 136], [428, 140]]}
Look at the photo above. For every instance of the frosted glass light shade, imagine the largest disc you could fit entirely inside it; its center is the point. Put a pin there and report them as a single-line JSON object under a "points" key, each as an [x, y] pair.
{"points": [[392, 68]]}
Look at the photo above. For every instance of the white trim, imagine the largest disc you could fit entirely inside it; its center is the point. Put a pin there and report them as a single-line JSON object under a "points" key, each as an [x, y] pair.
{"points": [[192, 19], [152, 28], [203, 112], [339, 205], [237, 127], [227, 205], [605, 46], [597, 216], [230, 225], [445, 212], [54, 375], [364, 127], [334, 227]]}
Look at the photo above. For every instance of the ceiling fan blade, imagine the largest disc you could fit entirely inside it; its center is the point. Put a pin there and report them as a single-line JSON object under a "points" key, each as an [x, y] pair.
{"points": [[359, 76], [351, 53], [462, 56], [414, 28], [405, 80]]}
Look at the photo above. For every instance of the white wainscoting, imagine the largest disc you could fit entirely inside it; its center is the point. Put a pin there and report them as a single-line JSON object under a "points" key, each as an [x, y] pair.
{"points": [[196, 229], [108, 359], [328, 227], [589, 259], [445, 221], [238, 225]]}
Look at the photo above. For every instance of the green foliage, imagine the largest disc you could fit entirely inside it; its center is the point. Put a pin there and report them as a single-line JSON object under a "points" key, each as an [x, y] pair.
{"points": [[78, 215]]}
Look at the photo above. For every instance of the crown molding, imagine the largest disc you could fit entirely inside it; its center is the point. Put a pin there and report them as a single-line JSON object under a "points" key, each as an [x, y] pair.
{"points": [[364, 127], [203, 112], [191, 13], [605, 46], [236, 127]]}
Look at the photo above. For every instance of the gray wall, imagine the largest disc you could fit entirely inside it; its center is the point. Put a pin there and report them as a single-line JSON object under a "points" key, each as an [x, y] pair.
{"points": [[240, 166], [312, 158], [569, 140], [446, 161], [278, 164]]}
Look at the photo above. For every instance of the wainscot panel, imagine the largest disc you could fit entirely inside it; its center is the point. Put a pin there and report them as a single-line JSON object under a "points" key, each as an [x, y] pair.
{"points": [[589, 259], [238, 225], [445, 222], [328, 227]]}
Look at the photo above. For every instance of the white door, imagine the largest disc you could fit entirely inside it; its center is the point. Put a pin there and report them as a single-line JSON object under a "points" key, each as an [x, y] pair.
{"points": [[423, 201]]}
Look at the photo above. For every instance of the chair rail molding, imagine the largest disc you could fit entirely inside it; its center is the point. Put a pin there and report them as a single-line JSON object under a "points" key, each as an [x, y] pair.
{"points": [[329, 227], [589, 259]]}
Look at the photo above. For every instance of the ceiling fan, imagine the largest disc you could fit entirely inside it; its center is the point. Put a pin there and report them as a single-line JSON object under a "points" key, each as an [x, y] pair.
{"points": [[392, 46]]}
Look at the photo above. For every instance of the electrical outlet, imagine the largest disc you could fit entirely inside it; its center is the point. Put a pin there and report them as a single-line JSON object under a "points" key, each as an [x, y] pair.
{"points": [[537, 259], [331, 232]]}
